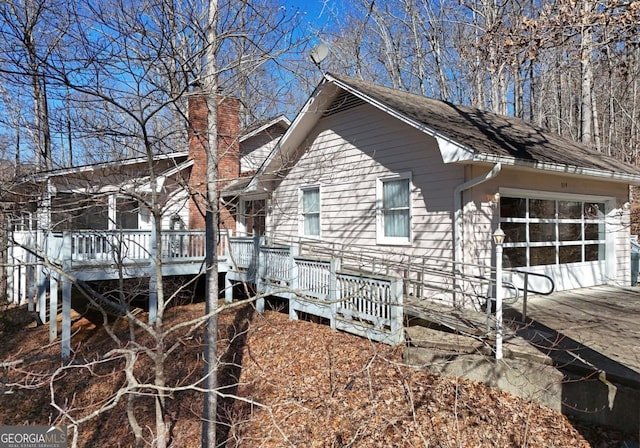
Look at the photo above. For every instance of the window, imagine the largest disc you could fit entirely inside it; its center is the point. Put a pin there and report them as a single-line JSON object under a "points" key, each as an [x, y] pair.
{"points": [[550, 232], [394, 210], [310, 211], [126, 213], [77, 211]]}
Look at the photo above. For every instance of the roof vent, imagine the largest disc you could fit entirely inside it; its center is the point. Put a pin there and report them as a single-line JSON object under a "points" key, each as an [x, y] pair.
{"points": [[344, 101]]}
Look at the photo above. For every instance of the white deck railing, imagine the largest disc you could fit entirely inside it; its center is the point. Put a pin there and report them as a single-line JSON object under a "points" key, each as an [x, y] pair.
{"points": [[367, 305], [89, 249], [314, 277], [366, 299], [114, 246], [243, 253], [275, 265]]}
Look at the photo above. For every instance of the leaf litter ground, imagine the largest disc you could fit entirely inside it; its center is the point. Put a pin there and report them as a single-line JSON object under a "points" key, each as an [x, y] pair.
{"points": [[284, 383]]}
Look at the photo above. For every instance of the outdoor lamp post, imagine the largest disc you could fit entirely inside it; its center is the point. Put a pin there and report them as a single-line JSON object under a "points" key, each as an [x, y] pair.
{"points": [[498, 239]]}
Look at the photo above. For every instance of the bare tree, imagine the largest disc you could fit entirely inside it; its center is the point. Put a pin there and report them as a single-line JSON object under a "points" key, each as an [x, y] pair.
{"points": [[126, 70]]}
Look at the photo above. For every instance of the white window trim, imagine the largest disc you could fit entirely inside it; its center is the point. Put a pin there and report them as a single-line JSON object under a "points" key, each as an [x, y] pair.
{"points": [[301, 191], [609, 201], [241, 222], [380, 237]]}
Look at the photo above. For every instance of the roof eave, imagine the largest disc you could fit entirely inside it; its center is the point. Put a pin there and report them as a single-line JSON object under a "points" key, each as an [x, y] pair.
{"points": [[302, 124], [35, 177], [557, 168]]}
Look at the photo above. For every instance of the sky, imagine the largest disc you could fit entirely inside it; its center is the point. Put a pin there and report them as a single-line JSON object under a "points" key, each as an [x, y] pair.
{"points": [[316, 11]]}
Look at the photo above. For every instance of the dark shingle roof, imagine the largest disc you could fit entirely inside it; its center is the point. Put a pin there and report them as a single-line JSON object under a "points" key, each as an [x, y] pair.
{"points": [[489, 133]]}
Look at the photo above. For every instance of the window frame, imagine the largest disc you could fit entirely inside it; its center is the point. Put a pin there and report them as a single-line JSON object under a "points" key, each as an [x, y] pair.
{"points": [[527, 221], [381, 238], [302, 215]]}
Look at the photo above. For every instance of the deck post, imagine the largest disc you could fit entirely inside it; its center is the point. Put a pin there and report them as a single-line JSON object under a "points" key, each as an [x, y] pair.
{"points": [[396, 312], [228, 289], [53, 308], [41, 278], [153, 278], [41, 291], [25, 291], [259, 272], [294, 280], [13, 286], [334, 266], [66, 297]]}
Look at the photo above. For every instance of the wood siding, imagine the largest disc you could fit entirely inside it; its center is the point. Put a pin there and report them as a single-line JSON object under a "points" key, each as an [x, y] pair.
{"points": [[347, 152], [481, 215], [255, 151]]}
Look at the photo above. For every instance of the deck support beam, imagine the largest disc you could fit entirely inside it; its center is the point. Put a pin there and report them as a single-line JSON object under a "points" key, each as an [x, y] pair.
{"points": [[66, 297], [53, 308], [41, 292]]}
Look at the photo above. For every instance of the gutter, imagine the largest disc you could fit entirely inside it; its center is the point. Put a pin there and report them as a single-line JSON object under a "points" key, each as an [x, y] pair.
{"points": [[457, 217], [569, 170]]}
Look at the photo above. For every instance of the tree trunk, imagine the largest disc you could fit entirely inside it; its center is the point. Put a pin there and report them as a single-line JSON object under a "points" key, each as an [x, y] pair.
{"points": [[211, 231], [586, 65]]}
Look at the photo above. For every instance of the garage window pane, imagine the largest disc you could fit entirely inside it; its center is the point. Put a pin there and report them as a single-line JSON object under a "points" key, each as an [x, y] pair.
{"points": [[594, 252], [514, 257], [570, 232], [593, 210], [569, 210], [542, 255], [513, 207], [515, 232], [540, 232], [542, 208], [570, 254], [593, 231]]}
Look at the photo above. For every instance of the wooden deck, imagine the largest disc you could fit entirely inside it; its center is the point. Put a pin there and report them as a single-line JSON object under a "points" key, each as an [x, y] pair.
{"points": [[588, 330], [595, 329], [352, 298]]}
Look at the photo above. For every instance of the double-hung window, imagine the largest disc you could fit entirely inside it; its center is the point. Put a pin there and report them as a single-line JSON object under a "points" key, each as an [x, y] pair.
{"points": [[310, 211], [394, 210]]}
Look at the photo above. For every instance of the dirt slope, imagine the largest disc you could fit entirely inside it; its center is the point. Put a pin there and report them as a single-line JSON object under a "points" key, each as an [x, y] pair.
{"points": [[301, 385]]}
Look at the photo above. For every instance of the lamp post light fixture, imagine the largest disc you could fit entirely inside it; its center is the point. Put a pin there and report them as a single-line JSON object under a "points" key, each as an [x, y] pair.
{"points": [[498, 239]]}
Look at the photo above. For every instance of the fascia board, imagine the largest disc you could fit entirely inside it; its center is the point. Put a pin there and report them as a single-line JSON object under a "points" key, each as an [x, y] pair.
{"points": [[304, 122], [100, 166], [559, 168]]}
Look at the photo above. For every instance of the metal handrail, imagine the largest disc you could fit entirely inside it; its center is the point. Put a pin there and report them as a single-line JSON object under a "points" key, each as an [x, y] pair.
{"points": [[526, 289]]}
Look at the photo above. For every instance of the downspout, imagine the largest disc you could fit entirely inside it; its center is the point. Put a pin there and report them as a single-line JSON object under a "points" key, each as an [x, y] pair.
{"points": [[457, 220]]}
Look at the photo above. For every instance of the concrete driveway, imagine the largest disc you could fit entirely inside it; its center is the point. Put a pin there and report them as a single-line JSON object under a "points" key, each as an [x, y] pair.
{"points": [[592, 335], [597, 327]]}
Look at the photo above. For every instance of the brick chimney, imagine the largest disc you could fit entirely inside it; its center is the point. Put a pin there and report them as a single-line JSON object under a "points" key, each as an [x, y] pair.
{"points": [[228, 156]]}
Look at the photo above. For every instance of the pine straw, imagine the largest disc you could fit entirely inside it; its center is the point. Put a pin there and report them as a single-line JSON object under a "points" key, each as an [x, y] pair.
{"points": [[300, 384]]}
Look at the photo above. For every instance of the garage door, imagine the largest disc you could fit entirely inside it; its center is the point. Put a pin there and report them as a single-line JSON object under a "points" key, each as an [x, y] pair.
{"points": [[562, 238]]}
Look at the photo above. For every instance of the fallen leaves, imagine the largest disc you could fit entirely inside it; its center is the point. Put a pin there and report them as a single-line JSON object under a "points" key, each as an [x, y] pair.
{"points": [[301, 385]]}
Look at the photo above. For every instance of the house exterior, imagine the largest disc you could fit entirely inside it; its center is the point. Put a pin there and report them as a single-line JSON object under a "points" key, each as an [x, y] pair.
{"points": [[112, 195], [100, 201], [373, 168]]}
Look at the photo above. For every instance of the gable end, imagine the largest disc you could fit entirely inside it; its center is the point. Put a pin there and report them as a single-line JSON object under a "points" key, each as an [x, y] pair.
{"points": [[344, 101]]}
